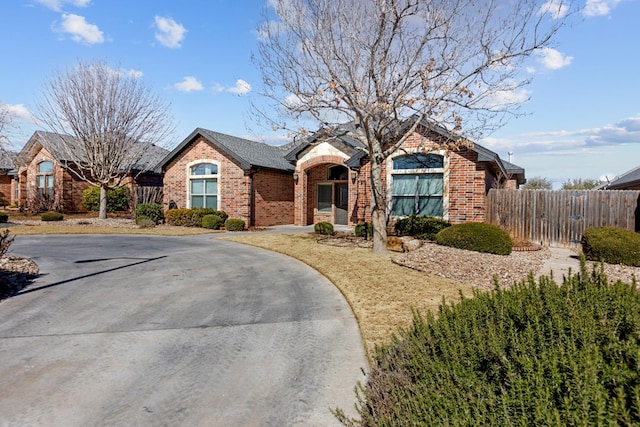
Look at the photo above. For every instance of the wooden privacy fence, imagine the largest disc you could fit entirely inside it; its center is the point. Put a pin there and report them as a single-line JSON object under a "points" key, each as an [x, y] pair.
{"points": [[560, 217]]}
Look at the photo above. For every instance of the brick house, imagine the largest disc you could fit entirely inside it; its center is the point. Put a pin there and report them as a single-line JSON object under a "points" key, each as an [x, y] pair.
{"points": [[326, 178], [246, 179], [7, 174], [41, 180]]}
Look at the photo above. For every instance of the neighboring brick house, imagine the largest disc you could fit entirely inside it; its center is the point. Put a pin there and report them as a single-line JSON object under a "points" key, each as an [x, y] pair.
{"points": [[326, 178], [7, 175], [246, 179], [42, 181]]}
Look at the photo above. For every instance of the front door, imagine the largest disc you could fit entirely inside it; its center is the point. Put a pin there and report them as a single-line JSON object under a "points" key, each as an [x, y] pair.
{"points": [[341, 200]]}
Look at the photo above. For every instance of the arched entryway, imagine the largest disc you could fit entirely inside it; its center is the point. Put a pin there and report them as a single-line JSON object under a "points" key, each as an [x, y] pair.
{"points": [[326, 194]]}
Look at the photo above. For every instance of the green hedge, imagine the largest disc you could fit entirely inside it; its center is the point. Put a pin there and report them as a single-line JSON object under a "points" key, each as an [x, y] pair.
{"points": [[422, 227], [190, 217], [213, 222], [117, 200], [476, 236], [51, 216], [324, 228], [364, 230], [153, 211], [538, 354], [234, 224], [611, 245]]}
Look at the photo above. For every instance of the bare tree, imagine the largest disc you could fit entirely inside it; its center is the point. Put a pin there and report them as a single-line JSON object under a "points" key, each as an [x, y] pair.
{"points": [[581, 184], [5, 121], [111, 117], [538, 183], [379, 62]]}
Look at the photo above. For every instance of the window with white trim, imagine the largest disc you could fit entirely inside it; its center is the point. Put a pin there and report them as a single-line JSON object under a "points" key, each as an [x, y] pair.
{"points": [[203, 186], [417, 185], [44, 178]]}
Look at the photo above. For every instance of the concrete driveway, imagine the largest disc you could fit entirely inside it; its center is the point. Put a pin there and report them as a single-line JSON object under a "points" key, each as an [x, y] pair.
{"points": [[140, 330]]}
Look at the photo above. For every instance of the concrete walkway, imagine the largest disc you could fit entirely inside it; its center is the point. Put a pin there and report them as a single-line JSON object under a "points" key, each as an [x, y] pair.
{"points": [[560, 262]]}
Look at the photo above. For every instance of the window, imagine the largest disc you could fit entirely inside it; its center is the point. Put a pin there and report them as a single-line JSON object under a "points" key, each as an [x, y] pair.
{"points": [[417, 185], [44, 178], [203, 186], [338, 173], [324, 197]]}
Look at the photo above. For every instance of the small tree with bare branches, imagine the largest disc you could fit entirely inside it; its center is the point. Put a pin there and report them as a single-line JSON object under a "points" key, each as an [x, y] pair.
{"points": [[377, 63], [111, 117]]}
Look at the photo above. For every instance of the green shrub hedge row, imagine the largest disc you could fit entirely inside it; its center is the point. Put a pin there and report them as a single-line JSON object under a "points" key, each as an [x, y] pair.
{"points": [[234, 224], [364, 230], [117, 200], [211, 221], [476, 236], [422, 227], [152, 211], [611, 245], [51, 216], [538, 354], [190, 217]]}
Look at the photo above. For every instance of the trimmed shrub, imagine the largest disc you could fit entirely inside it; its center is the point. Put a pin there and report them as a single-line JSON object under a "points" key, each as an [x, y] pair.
{"points": [[324, 228], [364, 230], [537, 354], [152, 211], [145, 222], [4, 217], [183, 217], [213, 222], [117, 200], [611, 245], [51, 216], [422, 227], [234, 224], [476, 236]]}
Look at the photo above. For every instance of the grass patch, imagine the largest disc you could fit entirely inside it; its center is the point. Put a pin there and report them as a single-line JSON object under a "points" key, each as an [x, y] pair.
{"points": [[380, 293]]}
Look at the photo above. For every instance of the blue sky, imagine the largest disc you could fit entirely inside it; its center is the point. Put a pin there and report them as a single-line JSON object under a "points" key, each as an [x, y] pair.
{"points": [[582, 120]]}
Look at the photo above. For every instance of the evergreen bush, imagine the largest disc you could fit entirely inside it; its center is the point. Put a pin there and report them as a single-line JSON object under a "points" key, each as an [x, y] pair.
{"points": [[213, 222], [184, 217], [51, 216], [537, 354], [364, 230], [234, 224], [117, 200], [422, 227], [152, 211], [476, 236], [611, 245], [4, 217], [324, 228]]}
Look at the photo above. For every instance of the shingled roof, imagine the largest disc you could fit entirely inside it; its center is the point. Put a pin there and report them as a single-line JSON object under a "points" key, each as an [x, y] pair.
{"points": [[249, 154], [627, 179], [54, 143], [7, 160]]}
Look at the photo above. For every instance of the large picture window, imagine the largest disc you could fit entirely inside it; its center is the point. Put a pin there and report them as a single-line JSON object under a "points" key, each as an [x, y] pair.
{"points": [[203, 186], [417, 186]]}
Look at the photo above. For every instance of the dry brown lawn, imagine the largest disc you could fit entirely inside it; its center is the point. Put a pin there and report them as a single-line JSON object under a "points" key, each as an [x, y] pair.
{"points": [[381, 294]]}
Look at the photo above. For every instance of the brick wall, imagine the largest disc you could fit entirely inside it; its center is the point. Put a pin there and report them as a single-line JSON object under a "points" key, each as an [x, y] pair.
{"points": [[273, 191]]}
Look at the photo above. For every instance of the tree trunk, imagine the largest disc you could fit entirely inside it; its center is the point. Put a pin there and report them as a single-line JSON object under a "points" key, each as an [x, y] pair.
{"points": [[103, 202], [378, 207]]}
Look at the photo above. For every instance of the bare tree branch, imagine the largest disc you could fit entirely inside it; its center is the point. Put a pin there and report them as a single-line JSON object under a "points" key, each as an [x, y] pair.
{"points": [[110, 117], [379, 62]]}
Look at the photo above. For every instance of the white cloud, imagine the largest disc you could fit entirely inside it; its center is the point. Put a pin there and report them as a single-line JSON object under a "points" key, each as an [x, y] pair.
{"points": [[57, 4], [19, 112], [81, 31], [135, 74], [556, 8], [553, 59], [240, 88], [599, 7], [189, 84], [170, 34]]}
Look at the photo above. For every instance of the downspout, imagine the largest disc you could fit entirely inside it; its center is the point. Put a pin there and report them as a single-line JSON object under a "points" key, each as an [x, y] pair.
{"points": [[252, 200]]}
